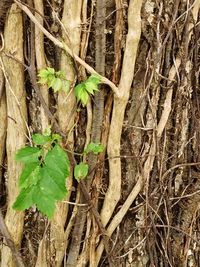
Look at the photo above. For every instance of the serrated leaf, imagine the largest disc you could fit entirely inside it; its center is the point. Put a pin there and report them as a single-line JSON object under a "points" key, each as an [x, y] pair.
{"points": [[28, 154], [43, 73], [43, 80], [79, 88], [29, 176], [51, 71], [84, 98], [81, 171], [60, 74], [57, 160], [54, 185], [44, 202], [24, 199], [57, 85], [43, 185], [96, 148], [47, 131], [81, 93], [91, 87], [40, 139], [51, 81], [56, 137], [94, 78]]}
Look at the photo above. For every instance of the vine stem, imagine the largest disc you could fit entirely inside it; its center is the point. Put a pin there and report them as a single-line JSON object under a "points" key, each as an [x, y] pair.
{"points": [[63, 46]]}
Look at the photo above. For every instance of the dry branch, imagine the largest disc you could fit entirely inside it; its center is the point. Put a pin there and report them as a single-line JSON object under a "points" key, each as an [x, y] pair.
{"points": [[114, 190], [71, 21], [40, 60]]}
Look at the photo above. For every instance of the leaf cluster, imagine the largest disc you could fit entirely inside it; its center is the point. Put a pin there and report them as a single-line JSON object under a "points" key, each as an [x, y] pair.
{"points": [[54, 79], [43, 178], [87, 88]]}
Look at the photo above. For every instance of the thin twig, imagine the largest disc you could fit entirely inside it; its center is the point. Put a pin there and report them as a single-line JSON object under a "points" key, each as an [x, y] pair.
{"points": [[179, 166]]}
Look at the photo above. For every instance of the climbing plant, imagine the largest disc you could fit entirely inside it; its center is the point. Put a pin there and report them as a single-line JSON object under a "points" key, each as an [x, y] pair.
{"points": [[46, 164], [58, 82]]}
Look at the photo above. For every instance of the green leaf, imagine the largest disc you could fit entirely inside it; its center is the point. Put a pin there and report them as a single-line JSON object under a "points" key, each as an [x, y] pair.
{"points": [[51, 71], [44, 202], [40, 139], [91, 87], [51, 81], [56, 138], [79, 88], [28, 154], [24, 199], [81, 171], [54, 185], [43, 73], [43, 80], [60, 74], [81, 93], [42, 185], [95, 79], [84, 98], [96, 148], [47, 131], [29, 176], [57, 160], [57, 85]]}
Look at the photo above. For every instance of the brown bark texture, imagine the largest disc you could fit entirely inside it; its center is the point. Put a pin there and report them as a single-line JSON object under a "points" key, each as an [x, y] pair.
{"points": [[140, 204]]}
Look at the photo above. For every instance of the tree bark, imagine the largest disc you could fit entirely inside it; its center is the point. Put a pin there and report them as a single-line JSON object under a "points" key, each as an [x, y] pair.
{"points": [[16, 125]]}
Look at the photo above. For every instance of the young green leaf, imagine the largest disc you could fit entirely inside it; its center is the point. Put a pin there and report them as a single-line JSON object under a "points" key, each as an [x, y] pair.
{"points": [[28, 154], [81, 93], [44, 184], [55, 80], [47, 131], [81, 171], [54, 184], [57, 160], [56, 138], [79, 88], [51, 71], [57, 85], [51, 81], [92, 83], [60, 74], [95, 79], [29, 176], [96, 148], [24, 199], [44, 202], [43, 73], [43, 80], [40, 139], [91, 87]]}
